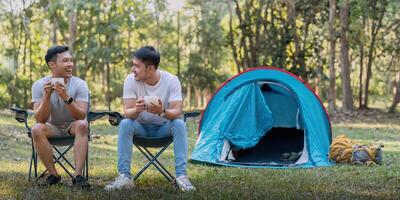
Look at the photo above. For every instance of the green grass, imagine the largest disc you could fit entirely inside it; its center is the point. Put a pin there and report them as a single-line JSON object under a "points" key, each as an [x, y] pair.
{"points": [[338, 182]]}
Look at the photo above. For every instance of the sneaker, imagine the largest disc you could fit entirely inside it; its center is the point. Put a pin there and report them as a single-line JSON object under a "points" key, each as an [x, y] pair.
{"points": [[80, 182], [51, 180], [122, 181], [184, 183]]}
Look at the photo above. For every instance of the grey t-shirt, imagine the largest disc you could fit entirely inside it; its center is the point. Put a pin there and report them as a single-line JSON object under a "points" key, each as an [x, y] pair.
{"points": [[60, 115]]}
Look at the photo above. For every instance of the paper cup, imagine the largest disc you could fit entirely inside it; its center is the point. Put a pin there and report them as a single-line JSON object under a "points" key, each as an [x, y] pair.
{"points": [[58, 80], [151, 99]]}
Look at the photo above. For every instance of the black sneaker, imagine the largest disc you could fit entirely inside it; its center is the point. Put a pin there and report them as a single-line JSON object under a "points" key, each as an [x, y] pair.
{"points": [[51, 180], [80, 182]]}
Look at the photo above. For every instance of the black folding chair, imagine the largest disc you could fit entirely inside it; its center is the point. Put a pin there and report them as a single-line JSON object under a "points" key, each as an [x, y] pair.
{"points": [[21, 115], [144, 143]]}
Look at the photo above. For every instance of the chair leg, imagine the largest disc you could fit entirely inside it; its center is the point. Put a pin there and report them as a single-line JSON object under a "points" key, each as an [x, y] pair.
{"points": [[61, 155], [62, 166], [159, 164], [57, 160], [86, 170], [152, 159], [36, 164], [31, 163]]}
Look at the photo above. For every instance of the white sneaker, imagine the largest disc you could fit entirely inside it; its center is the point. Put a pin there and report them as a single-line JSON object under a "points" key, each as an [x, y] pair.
{"points": [[122, 181], [184, 183]]}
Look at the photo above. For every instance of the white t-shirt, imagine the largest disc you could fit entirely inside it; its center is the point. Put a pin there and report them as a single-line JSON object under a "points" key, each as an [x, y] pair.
{"points": [[168, 89]]}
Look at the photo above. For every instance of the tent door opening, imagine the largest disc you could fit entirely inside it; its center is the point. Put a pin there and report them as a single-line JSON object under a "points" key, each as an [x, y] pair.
{"points": [[280, 146], [284, 143]]}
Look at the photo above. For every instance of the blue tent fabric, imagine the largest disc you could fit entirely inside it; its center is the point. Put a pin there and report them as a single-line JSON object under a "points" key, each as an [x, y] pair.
{"points": [[312, 116], [279, 100], [242, 121]]}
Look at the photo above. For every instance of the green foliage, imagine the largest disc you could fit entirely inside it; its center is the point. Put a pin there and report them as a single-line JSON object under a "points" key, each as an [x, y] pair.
{"points": [[197, 39]]}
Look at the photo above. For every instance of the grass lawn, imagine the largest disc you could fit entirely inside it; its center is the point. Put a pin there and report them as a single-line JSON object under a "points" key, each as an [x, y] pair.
{"points": [[338, 182]]}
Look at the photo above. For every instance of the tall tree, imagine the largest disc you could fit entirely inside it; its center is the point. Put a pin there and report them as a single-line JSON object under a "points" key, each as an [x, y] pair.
{"points": [[347, 96], [378, 10], [361, 44], [332, 55], [396, 98]]}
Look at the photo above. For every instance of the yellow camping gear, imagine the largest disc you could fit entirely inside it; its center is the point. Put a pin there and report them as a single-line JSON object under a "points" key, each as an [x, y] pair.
{"points": [[344, 150]]}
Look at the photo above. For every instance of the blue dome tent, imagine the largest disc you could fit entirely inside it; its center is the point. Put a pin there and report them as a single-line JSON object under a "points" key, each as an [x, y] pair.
{"points": [[264, 117]]}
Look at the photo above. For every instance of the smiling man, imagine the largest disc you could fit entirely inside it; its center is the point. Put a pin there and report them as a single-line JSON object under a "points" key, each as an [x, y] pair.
{"points": [[149, 119], [60, 109]]}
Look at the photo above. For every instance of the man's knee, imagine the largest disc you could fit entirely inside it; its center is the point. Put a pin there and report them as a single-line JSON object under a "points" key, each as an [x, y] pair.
{"points": [[38, 131], [179, 126], [81, 127], [178, 123], [127, 123], [127, 126]]}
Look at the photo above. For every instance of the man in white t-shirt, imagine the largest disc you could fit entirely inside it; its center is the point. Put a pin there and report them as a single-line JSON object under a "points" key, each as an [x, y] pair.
{"points": [[60, 102], [151, 119]]}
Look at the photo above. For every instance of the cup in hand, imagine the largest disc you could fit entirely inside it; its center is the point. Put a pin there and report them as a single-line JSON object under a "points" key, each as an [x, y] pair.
{"points": [[151, 99], [57, 80]]}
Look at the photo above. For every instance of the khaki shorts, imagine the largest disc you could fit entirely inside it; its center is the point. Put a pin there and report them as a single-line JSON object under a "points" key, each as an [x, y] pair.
{"points": [[60, 129]]}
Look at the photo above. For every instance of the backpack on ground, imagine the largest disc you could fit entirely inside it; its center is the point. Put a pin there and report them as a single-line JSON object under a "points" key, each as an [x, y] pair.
{"points": [[344, 150]]}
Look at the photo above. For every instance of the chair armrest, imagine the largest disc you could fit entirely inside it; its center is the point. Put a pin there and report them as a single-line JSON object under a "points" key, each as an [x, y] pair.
{"points": [[190, 114], [93, 116], [21, 115], [115, 118]]}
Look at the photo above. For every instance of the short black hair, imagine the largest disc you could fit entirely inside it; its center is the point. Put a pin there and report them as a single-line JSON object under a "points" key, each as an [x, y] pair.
{"points": [[52, 52], [148, 55]]}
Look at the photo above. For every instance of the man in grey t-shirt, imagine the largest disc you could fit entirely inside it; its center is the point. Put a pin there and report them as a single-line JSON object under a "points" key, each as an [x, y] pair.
{"points": [[60, 102]]}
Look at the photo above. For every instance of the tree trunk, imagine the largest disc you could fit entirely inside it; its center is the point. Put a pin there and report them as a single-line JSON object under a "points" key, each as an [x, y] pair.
{"points": [[157, 8], [178, 50], [54, 19], [290, 6], [30, 69], [206, 97], [396, 99], [347, 97], [232, 39], [189, 96], [24, 70], [376, 25], [360, 91], [243, 24], [108, 95], [197, 93], [54, 32], [332, 55], [72, 30]]}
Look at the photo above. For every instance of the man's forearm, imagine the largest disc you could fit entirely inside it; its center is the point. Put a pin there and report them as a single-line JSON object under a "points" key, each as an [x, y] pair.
{"points": [[77, 112], [42, 113], [131, 113], [172, 114]]}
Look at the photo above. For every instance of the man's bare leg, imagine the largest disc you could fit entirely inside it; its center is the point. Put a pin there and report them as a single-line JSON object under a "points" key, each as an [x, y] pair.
{"points": [[80, 130], [40, 134]]}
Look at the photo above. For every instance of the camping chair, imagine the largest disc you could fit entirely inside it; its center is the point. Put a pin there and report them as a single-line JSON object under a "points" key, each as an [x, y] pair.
{"points": [[21, 115], [144, 143]]}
